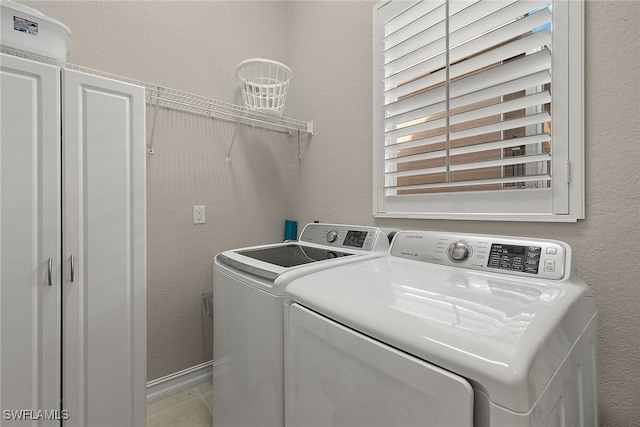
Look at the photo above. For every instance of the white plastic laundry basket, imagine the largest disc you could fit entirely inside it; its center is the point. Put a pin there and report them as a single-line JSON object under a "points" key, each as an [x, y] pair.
{"points": [[264, 84]]}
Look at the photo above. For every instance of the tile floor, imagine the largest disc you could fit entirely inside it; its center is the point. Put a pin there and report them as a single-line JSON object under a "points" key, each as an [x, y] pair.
{"points": [[190, 408]]}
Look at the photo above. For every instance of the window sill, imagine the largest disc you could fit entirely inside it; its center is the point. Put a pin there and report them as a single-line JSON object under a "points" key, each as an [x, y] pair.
{"points": [[479, 217]]}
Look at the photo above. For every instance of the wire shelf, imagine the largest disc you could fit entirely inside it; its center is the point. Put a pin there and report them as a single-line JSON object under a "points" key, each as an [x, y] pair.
{"points": [[196, 104], [174, 99], [31, 56]]}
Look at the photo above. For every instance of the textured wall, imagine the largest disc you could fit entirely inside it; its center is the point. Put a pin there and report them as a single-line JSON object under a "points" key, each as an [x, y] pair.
{"points": [[334, 89], [191, 46]]}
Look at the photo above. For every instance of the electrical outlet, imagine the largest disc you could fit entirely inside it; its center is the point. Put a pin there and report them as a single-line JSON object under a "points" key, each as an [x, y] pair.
{"points": [[198, 215]]}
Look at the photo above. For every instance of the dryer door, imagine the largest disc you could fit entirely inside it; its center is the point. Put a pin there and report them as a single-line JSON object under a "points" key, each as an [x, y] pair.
{"points": [[335, 376]]}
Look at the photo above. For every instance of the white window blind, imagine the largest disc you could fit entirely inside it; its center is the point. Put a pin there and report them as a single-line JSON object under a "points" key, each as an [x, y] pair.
{"points": [[473, 110]]}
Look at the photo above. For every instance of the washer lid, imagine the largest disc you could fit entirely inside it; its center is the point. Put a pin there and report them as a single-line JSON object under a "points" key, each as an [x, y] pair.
{"points": [[320, 246], [292, 254], [273, 261], [506, 335]]}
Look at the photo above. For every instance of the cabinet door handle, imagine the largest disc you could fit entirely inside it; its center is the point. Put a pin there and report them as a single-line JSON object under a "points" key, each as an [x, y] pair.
{"points": [[73, 270], [50, 271]]}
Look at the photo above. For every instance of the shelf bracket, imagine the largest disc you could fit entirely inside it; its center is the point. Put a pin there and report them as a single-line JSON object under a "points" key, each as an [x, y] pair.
{"points": [[233, 141], [150, 149]]}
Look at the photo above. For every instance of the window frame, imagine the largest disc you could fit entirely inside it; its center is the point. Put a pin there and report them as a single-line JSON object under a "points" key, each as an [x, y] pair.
{"points": [[560, 203]]}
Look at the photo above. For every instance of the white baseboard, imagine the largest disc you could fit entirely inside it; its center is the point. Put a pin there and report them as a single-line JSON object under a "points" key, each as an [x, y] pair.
{"points": [[179, 381]]}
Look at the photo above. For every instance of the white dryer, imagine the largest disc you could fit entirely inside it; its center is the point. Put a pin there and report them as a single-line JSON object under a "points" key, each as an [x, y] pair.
{"points": [[449, 330], [248, 335]]}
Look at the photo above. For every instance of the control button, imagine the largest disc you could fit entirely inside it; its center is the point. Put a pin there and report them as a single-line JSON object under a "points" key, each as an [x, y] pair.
{"points": [[549, 265], [530, 269], [459, 251], [332, 236], [552, 251]]}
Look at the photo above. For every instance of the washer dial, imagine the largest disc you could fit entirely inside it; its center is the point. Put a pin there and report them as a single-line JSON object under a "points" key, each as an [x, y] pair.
{"points": [[332, 236], [459, 251]]}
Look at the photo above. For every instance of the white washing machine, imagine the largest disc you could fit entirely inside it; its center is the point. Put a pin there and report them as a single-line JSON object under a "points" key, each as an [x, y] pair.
{"points": [[248, 336], [449, 330]]}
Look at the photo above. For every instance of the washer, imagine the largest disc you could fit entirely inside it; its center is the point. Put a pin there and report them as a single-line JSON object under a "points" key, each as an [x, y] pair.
{"points": [[449, 330], [248, 292]]}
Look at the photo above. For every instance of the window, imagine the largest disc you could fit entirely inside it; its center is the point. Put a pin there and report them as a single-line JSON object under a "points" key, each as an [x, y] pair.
{"points": [[478, 109]]}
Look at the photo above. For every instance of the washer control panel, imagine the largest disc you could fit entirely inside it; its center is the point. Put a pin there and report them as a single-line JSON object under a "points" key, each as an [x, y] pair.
{"points": [[344, 236], [539, 258]]}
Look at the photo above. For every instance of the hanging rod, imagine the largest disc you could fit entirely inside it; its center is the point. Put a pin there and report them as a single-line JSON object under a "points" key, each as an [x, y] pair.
{"points": [[159, 96]]}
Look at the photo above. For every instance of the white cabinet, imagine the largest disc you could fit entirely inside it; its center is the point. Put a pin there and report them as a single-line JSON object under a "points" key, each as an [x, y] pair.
{"points": [[72, 246], [30, 217]]}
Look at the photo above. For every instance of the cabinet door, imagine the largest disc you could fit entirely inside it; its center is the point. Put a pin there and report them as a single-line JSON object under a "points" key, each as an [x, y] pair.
{"points": [[29, 237], [104, 306]]}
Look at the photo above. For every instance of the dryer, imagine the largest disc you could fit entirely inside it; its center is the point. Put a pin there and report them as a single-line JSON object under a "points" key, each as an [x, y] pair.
{"points": [[449, 330], [248, 292]]}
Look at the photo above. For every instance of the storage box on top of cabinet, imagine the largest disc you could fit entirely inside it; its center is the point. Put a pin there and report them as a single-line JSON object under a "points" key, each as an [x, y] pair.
{"points": [[27, 29]]}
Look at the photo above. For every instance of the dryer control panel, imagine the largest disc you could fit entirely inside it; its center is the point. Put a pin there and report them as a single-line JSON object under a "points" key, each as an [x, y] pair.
{"points": [[547, 259]]}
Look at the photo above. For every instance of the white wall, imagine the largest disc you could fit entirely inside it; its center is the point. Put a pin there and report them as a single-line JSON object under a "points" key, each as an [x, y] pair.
{"points": [[194, 46], [331, 52]]}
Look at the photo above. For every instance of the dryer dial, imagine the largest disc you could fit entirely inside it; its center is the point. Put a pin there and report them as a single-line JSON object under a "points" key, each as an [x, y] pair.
{"points": [[332, 236], [459, 251]]}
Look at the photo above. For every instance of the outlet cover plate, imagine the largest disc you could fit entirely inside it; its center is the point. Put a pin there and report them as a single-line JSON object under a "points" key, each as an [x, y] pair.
{"points": [[198, 215]]}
